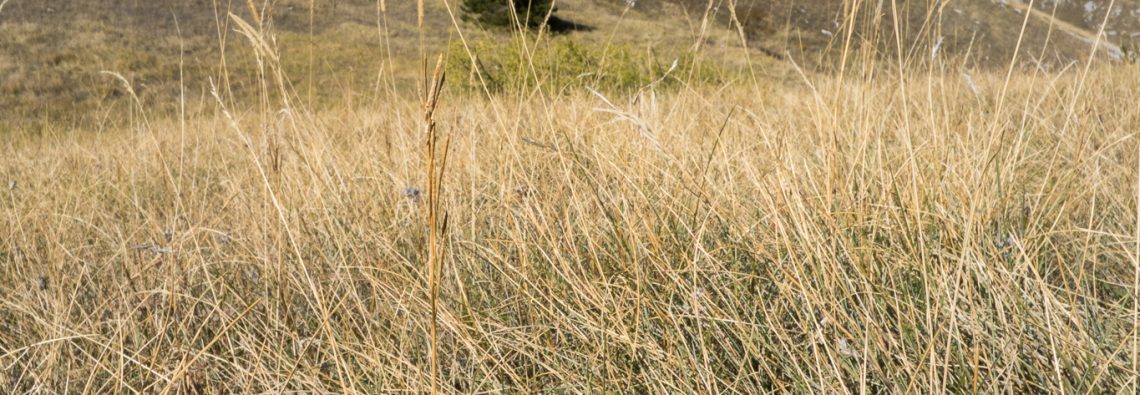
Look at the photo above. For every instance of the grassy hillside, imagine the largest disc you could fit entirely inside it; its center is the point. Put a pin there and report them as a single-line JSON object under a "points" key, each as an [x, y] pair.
{"points": [[989, 33], [53, 54]]}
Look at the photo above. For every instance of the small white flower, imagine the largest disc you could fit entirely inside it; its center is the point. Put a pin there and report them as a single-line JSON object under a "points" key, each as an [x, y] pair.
{"points": [[1006, 241], [970, 82], [937, 46], [845, 349]]}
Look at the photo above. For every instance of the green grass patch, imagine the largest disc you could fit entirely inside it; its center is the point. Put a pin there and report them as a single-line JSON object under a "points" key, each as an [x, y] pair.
{"points": [[563, 64]]}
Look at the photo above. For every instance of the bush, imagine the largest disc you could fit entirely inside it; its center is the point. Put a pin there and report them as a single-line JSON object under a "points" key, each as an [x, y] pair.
{"points": [[498, 13]]}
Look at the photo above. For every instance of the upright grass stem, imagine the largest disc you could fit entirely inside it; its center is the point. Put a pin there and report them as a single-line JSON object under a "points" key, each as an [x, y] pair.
{"points": [[437, 218]]}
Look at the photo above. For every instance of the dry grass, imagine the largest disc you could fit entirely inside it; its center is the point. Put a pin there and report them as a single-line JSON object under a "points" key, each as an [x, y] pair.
{"points": [[859, 239], [933, 231]]}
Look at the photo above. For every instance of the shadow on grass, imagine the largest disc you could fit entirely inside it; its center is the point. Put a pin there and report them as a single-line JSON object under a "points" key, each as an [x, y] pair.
{"points": [[561, 26]]}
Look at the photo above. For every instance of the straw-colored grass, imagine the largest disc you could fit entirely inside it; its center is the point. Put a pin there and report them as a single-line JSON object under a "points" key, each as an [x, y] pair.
{"points": [[838, 237], [936, 230]]}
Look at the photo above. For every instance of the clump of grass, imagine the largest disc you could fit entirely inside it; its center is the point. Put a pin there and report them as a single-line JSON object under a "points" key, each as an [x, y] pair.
{"points": [[840, 235], [809, 253]]}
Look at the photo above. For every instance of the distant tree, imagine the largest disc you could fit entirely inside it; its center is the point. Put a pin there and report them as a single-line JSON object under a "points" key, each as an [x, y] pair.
{"points": [[498, 13]]}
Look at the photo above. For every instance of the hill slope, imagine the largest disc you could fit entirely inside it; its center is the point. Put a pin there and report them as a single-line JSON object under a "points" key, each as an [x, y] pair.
{"points": [[53, 52], [1057, 32]]}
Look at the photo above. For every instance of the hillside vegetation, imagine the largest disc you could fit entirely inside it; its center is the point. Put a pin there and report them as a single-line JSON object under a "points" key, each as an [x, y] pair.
{"points": [[630, 208], [57, 56], [54, 53]]}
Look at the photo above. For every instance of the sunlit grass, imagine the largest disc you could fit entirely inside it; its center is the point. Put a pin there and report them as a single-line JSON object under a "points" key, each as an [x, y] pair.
{"points": [[928, 230]]}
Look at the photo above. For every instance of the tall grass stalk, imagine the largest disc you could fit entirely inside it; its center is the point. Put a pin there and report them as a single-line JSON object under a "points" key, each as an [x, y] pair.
{"points": [[436, 216]]}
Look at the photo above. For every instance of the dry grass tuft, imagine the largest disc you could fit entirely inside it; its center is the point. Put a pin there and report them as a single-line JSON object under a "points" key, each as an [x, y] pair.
{"points": [[897, 232], [819, 242]]}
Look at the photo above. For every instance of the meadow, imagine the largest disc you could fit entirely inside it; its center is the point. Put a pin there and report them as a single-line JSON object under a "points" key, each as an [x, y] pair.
{"points": [[683, 227]]}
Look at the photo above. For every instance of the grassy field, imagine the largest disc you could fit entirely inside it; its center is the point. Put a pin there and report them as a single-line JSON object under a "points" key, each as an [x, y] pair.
{"points": [[729, 224]]}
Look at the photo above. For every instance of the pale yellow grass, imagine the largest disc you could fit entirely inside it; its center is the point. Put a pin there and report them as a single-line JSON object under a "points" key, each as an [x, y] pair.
{"points": [[820, 237]]}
